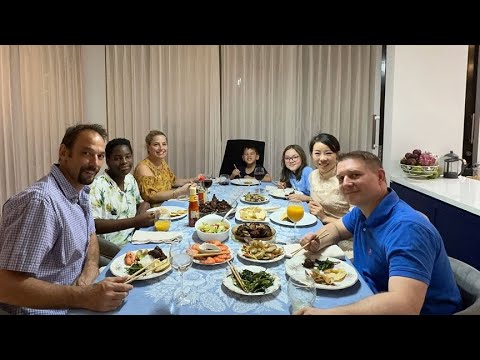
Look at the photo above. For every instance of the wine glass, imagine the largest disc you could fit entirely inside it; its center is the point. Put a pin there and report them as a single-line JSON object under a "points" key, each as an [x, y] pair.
{"points": [[295, 213], [259, 173], [301, 291], [181, 259], [207, 182]]}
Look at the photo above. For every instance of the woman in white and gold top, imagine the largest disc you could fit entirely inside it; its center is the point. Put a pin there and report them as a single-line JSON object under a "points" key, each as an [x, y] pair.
{"points": [[327, 203]]}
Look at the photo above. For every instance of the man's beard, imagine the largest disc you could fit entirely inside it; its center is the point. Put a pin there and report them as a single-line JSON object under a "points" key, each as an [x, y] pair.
{"points": [[84, 178]]}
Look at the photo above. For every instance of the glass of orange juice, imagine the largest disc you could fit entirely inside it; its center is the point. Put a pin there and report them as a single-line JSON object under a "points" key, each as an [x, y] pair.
{"points": [[295, 213], [162, 220]]}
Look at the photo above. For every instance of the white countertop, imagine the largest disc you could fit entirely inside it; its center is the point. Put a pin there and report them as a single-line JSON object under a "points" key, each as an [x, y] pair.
{"points": [[463, 192]]}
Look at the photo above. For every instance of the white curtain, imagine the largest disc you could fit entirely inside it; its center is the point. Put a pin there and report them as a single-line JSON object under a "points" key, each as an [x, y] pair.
{"points": [[40, 96], [199, 98], [287, 94], [174, 89]]}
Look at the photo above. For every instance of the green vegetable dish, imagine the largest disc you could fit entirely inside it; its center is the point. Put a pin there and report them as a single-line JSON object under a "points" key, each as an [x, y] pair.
{"points": [[255, 282]]}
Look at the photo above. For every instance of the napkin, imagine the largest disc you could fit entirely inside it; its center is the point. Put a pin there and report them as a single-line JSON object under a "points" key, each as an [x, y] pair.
{"points": [[144, 237], [270, 188], [330, 251]]}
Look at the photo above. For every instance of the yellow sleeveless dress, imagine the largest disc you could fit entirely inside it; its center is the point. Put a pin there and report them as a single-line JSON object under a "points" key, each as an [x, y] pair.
{"points": [[163, 179]]}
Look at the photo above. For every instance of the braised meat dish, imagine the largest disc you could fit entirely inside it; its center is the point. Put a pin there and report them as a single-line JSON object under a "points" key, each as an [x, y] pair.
{"points": [[254, 230], [220, 206]]}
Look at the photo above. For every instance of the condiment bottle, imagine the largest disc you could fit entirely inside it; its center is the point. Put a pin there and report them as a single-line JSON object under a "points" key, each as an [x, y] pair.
{"points": [[193, 208], [201, 194]]}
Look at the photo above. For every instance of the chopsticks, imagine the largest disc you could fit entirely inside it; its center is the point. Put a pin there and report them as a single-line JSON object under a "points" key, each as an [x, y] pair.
{"points": [[268, 209], [135, 276], [211, 254], [141, 271], [237, 276], [318, 237]]}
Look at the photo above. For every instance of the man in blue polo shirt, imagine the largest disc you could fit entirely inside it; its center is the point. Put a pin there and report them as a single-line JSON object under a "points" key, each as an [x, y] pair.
{"points": [[397, 250]]}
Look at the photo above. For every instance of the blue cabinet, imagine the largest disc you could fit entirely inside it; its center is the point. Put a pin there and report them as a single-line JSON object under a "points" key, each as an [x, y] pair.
{"points": [[460, 229]]}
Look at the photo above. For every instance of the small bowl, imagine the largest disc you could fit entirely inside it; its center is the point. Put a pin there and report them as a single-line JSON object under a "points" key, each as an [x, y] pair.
{"points": [[206, 248], [212, 219]]}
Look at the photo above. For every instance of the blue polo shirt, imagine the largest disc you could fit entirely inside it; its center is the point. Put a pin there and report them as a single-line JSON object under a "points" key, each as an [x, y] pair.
{"points": [[396, 240]]}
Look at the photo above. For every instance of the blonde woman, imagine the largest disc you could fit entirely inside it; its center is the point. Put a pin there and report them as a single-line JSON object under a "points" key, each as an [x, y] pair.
{"points": [[156, 181]]}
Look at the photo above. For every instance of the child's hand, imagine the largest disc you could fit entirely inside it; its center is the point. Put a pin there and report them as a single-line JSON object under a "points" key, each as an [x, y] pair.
{"points": [[281, 185], [235, 173]]}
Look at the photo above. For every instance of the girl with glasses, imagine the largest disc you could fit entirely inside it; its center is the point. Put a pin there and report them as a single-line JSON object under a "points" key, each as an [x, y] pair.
{"points": [[295, 172]]}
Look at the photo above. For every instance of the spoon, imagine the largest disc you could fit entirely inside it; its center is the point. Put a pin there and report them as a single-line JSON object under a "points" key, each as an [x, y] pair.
{"points": [[228, 213]]}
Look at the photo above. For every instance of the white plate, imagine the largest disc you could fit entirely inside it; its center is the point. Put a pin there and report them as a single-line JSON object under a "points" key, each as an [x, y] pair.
{"points": [[307, 220], [294, 266], [241, 254], [266, 200], [118, 268], [196, 261], [170, 208], [244, 182], [228, 281], [237, 216], [280, 193]]}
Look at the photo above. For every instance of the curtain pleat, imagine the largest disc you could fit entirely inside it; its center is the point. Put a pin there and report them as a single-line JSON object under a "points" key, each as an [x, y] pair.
{"points": [[174, 89], [41, 95], [200, 96], [287, 94]]}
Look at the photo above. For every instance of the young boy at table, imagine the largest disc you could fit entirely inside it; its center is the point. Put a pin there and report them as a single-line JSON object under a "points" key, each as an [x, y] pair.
{"points": [[250, 157]]}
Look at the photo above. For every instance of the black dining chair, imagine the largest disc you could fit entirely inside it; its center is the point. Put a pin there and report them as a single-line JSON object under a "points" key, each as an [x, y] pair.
{"points": [[234, 151]]}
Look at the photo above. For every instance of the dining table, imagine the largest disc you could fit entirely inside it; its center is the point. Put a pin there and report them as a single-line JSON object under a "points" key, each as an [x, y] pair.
{"points": [[204, 283]]}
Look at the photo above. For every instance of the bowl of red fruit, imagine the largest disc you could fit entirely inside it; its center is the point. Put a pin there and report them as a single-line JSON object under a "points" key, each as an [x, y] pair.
{"points": [[420, 164]]}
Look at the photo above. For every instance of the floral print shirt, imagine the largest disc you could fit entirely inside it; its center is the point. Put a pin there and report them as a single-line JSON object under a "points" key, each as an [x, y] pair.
{"points": [[109, 202]]}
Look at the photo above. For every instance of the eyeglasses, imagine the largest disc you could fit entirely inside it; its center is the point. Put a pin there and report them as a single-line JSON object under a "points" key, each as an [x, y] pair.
{"points": [[293, 158]]}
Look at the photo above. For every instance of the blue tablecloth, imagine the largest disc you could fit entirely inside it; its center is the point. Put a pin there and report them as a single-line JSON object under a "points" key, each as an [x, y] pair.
{"points": [[204, 283]]}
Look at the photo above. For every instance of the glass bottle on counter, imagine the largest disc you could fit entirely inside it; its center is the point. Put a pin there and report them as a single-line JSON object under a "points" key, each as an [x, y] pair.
{"points": [[193, 207]]}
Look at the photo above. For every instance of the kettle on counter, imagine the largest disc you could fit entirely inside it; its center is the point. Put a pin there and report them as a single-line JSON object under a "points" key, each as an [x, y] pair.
{"points": [[451, 165]]}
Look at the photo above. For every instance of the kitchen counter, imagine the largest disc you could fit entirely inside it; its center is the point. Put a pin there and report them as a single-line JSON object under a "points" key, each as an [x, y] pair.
{"points": [[463, 192]]}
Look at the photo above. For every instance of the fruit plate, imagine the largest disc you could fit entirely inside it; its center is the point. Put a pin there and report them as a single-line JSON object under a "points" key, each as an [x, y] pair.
{"points": [[421, 172]]}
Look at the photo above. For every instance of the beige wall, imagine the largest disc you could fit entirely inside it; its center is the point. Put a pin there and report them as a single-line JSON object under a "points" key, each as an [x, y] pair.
{"points": [[424, 100]]}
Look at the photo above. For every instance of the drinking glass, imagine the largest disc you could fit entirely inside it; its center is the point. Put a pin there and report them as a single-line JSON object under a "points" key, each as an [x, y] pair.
{"points": [[162, 220], [301, 291], [181, 259], [224, 179], [259, 173], [295, 213], [207, 182]]}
